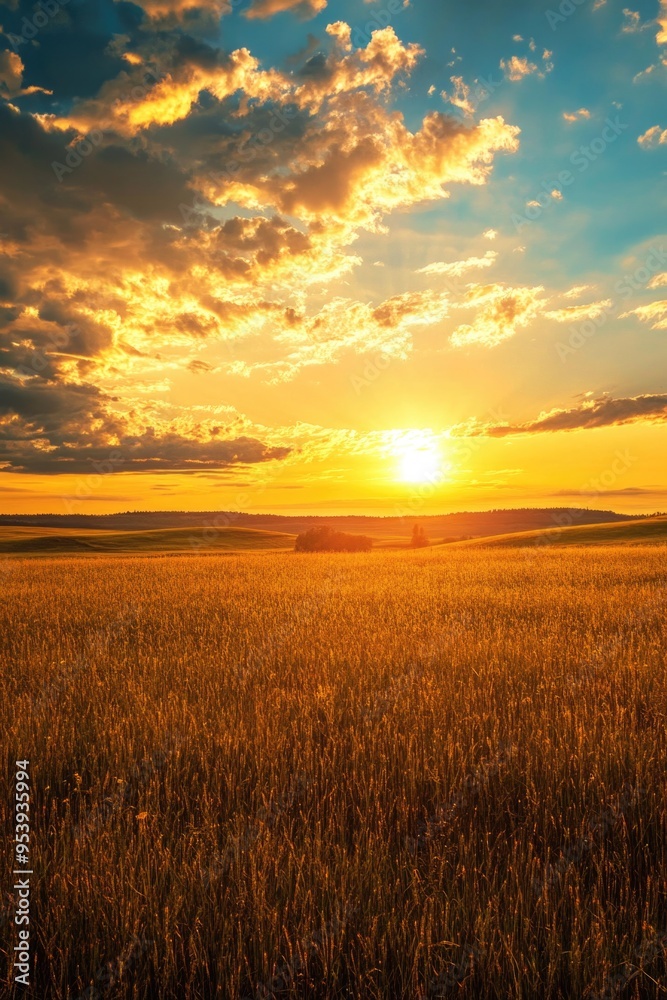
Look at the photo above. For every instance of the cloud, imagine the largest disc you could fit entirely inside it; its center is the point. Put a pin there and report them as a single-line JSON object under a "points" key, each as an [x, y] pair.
{"points": [[198, 367], [147, 96], [343, 326], [655, 314], [356, 179], [577, 291], [653, 137], [518, 67], [11, 72], [218, 197], [302, 8], [661, 37], [51, 428], [556, 194], [627, 491], [11, 77], [169, 13], [458, 267], [574, 314], [461, 96], [351, 165], [575, 116], [602, 412], [501, 312], [632, 22]]}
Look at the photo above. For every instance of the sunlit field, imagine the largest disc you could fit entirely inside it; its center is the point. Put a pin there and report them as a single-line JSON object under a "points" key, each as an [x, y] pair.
{"points": [[407, 774]]}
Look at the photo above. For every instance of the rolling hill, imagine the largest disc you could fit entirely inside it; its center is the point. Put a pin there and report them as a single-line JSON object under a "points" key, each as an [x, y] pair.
{"points": [[395, 529], [638, 532], [56, 541]]}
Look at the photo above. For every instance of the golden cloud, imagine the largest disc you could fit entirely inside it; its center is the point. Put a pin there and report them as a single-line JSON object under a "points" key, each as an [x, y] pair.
{"points": [[267, 8], [458, 267], [344, 326], [517, 68], [574, 314], [662, 24], [501, 312], [655, 136], [655, 314], [575, 116]]}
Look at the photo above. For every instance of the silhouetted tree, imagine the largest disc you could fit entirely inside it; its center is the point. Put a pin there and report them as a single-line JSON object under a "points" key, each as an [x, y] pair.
{"points": [[419, 539]]}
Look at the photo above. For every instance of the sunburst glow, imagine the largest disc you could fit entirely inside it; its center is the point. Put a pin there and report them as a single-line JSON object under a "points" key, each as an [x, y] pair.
{"points": [[421, 465]]}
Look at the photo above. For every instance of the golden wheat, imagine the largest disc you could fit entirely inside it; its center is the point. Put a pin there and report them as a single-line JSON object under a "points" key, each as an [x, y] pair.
{"points": [[423, 774]]}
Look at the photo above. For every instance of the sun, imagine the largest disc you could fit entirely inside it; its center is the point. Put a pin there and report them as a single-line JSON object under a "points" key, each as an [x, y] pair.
{"points": [[420, 465]]}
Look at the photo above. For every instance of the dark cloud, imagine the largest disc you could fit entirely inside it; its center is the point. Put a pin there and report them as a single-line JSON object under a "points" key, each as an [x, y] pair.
{"points": [[70, 54], [78, 333], [197, 367], [8, 286], [169, 453], [603, 412], [313, 43], [53, 429], [59, 199]]}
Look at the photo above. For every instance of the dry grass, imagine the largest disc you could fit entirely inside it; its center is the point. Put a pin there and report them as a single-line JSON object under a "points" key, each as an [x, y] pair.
{"points": [[391, 775]]}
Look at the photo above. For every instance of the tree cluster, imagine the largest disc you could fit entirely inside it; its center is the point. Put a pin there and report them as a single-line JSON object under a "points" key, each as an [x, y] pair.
{"points": [[326, 539], [419, 539]]}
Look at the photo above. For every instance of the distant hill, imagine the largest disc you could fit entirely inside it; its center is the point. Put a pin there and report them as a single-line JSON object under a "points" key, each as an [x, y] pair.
{"points": [[387, 530], [59, 541], [636, 532]]}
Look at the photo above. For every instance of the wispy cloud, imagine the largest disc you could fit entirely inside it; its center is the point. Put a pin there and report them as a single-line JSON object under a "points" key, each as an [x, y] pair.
{"points": [[458, 267], [603, 412], [501, 312]]}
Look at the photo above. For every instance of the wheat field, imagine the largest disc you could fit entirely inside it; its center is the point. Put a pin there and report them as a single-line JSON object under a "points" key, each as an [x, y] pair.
{"points": [[396, 774]]}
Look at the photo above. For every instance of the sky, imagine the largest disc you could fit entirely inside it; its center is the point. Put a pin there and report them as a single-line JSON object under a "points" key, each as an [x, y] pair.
{"points": [[332, 256]]}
